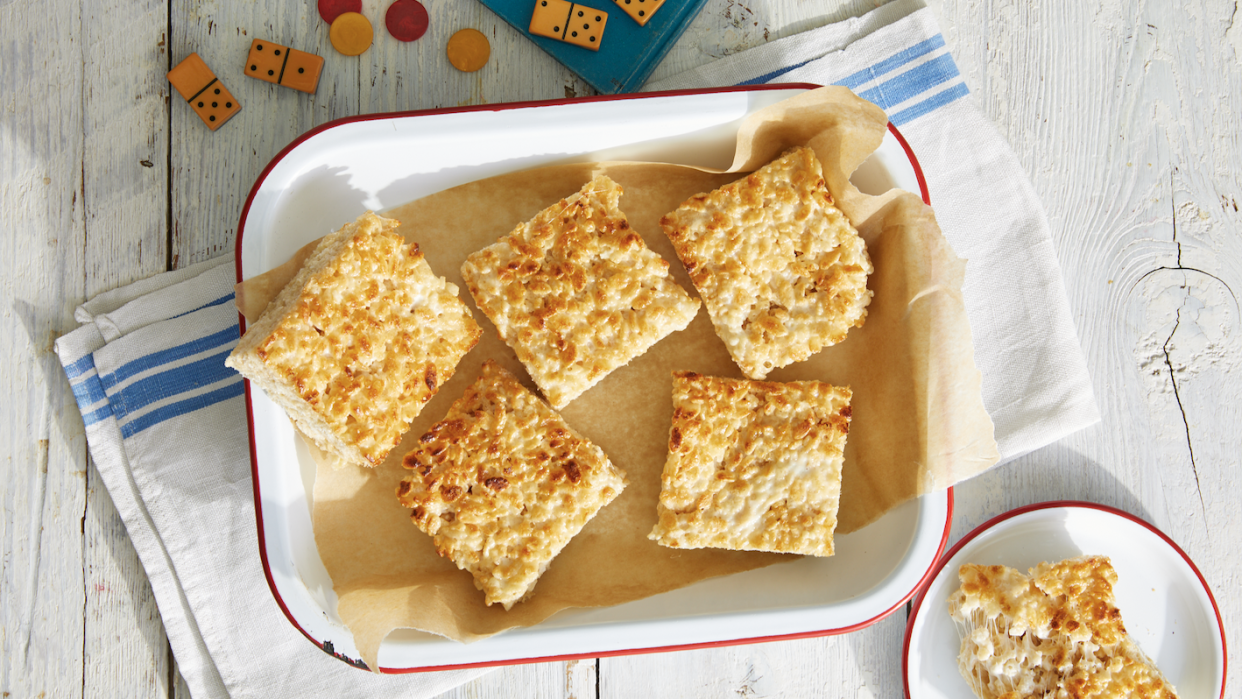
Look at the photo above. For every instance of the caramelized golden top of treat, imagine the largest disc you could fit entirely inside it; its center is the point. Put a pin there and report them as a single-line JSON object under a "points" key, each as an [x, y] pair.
{"points": [[576, 292], [371, 337], [502, 484], [753, 465], [781, 269]]}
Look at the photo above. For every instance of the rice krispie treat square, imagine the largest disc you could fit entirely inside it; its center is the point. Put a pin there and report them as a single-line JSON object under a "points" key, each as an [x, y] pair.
{"points": [[576, 292], [358, 341], [502, 484], [753, 465], [781, 269]]}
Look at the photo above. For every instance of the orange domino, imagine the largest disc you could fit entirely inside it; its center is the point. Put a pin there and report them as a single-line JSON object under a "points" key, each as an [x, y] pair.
{"points": [[281, 65], [639, 10], [208, 97], [569, 22]]}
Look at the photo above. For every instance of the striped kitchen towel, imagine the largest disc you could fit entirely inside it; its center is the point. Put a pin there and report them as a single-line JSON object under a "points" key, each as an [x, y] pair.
{"points": [[1035, 381], [166, 425]]}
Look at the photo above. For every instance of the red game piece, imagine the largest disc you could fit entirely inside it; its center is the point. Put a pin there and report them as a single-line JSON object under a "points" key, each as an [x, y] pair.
{"points": [[331, 9], [406, 19]]}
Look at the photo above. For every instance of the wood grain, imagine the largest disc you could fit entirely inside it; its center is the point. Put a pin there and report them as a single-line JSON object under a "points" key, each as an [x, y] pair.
{"points": [[42, 445], [1124, 113], [125, 190]]}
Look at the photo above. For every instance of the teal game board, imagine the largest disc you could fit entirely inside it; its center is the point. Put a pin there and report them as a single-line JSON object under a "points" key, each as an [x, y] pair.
{"points": [[628, 53]]}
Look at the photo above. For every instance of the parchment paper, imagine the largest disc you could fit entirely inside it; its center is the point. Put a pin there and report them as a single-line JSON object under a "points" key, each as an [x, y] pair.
{"points": [[918, 419]]}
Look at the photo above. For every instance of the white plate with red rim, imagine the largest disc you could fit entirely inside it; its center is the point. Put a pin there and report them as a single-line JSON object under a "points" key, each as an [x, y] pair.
{"points": [[333, 173], [1165, 603]]}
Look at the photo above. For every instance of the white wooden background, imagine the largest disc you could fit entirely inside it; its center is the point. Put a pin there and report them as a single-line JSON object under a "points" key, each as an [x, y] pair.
{"points": [[1126, 114]]}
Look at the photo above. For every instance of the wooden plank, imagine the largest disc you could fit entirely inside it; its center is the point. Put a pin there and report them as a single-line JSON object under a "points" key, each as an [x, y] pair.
{"points": [[574, 679], [125, 126], [859, 664], [125, 178], [42, 446]]}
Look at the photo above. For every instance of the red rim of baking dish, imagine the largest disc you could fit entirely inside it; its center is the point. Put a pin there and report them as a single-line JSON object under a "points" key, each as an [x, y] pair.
{"points": [[254, 461], [944, 560]]}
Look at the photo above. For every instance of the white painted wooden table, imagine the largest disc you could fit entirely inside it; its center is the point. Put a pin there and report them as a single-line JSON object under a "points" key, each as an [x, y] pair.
{"points": [[1126, 114]]}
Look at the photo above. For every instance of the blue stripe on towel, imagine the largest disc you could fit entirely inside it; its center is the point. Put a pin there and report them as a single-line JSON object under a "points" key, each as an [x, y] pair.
{"points": [[769, 77], [88, 392], [223, 299], [189, 349], [893, 62], [94, 416], [80, 367], [913, 82], [902, 87], [166, 384], [188, 405], [930, 104]]}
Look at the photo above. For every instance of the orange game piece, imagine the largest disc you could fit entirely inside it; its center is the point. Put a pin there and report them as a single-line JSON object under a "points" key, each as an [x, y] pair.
{"points": [[586, 27], [207, 96], [282, 65], [302, 71], [565, 21], [639, 10], [468, 50], [351, 33]]}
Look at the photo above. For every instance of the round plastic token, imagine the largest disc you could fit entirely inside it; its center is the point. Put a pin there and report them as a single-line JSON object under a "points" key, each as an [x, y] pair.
{"points": [[406, 20], [329, 10], [351, 33], [468, 50]]}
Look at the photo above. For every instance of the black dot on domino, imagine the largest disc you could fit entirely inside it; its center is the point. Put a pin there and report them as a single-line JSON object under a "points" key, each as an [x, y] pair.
{"points": [[301, 70], [228, 105], [580, 13], [215, 105], [259, 47], [641, 13], [200, 105], [212, 117], [254, 67], [575, 33], [277, 52], [271, 72], [217, 90]]}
